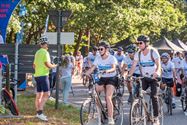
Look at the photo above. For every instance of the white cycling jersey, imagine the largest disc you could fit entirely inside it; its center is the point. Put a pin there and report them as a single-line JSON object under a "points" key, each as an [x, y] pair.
{"points": [[128, 61], [146, 62], [105, 64], [119, 58], [184, 66], [167, 69]]}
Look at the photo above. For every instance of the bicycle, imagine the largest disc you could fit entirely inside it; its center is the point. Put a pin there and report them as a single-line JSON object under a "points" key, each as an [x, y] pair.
{"points": [[184, 97], [141, 111], [93, 109], [7, 99], [168, 99]]}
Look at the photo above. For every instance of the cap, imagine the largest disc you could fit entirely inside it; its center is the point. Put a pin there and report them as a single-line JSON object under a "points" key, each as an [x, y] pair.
{"points": [[120, 49]]}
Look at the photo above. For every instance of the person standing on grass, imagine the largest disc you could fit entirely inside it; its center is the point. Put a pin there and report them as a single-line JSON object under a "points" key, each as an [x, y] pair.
{"points": [[42, 65], [66, 72]]}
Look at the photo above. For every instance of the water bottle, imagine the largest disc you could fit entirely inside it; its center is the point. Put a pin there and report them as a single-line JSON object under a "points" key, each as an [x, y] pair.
{"points": [[96, 77]]}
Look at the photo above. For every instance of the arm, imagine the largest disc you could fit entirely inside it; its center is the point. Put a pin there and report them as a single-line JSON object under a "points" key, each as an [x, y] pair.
{"points": [[124, 69], [49, 65], [33, 66], [113, 69], [91, 70], [135, 62]]}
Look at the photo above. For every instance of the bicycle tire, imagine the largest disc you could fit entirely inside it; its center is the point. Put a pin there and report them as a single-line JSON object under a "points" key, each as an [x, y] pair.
{"points": [[169, 101], [160, 110], [12, 92], [183, 103], [89, 112], [118, 110], [137, 113], [9, 102]]}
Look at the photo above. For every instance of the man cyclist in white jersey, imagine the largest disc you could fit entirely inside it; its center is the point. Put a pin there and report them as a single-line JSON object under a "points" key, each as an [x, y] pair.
{"points": [[150, 68], [119, 56], [168, 73], [184, 75], [127, 64], [107, 64], [92, 55]]}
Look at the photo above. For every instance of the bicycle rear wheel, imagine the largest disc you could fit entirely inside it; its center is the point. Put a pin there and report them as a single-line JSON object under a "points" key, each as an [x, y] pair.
{"points": [[118, 111], [160, 110], [89, 113], [137, 113], [9, 102]]}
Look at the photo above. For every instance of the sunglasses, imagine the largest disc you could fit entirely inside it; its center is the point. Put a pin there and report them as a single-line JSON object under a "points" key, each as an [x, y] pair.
{"points": [[139, 43], [100, 49]]}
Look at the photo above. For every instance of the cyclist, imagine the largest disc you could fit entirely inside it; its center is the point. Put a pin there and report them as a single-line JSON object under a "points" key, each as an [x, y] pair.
{"points": [[168, 73], [92, 55], [119, 56], [42, 65], [127, 64], [79, 62], [107, 64], [184, 73], [150, 68]]}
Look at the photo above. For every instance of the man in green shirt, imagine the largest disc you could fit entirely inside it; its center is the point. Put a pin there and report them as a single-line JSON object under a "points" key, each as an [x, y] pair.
{"points": [[42, 65]]}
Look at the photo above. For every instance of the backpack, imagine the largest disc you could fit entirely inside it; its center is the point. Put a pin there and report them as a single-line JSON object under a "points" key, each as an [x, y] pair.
{"points": [[152, 58]]}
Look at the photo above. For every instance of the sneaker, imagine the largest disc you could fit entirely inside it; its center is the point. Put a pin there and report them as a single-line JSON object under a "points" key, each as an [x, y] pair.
{"points": [[42, 117], [111, 121], [156, 121], [130, 98], [51, 98]]}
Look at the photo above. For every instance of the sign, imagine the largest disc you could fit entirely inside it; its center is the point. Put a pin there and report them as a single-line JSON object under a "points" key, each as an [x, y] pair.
{"points": [[66, 37], [6, 9]]}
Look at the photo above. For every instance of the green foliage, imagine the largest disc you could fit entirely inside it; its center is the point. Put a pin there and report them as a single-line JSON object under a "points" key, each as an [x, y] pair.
{"points": [[112, 20]]}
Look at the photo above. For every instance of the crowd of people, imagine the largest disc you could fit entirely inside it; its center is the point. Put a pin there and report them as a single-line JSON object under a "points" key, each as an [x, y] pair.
{"points": [[138, 59]]}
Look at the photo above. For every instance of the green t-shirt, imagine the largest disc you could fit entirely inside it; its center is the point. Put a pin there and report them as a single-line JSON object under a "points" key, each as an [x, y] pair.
{"points": [[41, 56]]}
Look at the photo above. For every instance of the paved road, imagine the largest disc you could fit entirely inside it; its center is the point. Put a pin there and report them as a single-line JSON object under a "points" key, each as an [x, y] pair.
{"points": [[81, 93]]}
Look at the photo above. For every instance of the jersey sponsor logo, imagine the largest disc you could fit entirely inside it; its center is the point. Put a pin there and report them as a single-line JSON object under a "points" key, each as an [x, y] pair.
{"points": [[104, 67], [147, 64]]}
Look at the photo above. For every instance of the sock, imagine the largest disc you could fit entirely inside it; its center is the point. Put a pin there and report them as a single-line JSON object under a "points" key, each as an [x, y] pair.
{"points": [[39, 112]]}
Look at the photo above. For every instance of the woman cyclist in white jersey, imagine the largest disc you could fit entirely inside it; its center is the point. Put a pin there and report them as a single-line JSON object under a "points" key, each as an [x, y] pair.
{"points": [[107, 64]]}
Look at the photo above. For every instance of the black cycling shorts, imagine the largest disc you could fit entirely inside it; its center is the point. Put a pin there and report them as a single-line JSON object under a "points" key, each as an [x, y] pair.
{"points": [[168, 81], [108, 81]]}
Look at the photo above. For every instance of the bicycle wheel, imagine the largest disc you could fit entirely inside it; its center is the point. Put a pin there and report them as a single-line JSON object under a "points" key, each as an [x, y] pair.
{"points": [[118, 111], [137, 113], [89, 113], [160, 110], [184, 103], [9, 102], [169, 101]]}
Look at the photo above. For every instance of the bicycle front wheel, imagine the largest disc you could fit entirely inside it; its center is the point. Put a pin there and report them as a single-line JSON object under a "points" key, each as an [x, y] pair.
{"points": [[160, 111], [9, 102], [118, 111], [137, 113], [89, 113]]}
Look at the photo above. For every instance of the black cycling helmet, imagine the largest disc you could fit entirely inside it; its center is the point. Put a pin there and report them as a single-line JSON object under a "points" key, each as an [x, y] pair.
{"points": [[104, 44], [131, 48], [120, 48], [143, 38], [43, 40], [112, 52]]}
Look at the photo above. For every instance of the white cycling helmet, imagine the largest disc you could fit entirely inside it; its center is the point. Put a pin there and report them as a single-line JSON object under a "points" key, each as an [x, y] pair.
{"points": [[43, 40], [165, 55]]}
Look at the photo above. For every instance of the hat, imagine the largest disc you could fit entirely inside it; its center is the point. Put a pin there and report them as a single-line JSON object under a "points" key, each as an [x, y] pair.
{"points": [[43, 40]]}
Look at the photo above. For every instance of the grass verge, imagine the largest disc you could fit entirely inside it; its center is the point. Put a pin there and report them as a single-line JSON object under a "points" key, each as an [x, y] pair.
{"points": [[65, 115]]}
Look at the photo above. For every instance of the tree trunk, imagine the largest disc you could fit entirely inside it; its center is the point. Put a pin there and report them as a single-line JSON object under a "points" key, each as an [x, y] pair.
{"points": [[88, 40], [77, 46]]}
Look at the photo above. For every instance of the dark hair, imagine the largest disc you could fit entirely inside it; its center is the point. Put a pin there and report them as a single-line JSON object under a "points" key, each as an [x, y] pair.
{"points": [[143, 38], [65, 61], [104, 44], [94, 48]]}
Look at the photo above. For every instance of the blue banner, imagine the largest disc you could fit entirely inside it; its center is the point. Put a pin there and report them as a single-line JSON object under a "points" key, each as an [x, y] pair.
{"points": [[6, 9]]}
